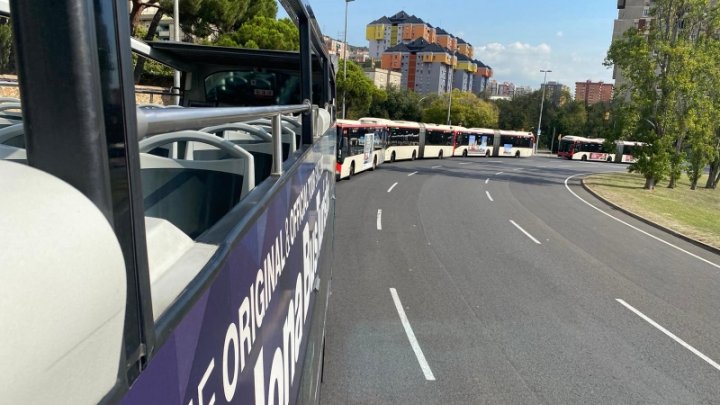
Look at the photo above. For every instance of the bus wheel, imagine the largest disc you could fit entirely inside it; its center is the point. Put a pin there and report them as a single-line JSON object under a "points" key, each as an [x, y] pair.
{"points": [[517, 154], [374, 166], [465, 153], [487, 153], [392, 158], [352, 170], [609, 160], [413, 156], [584, 158], [440, 155]]}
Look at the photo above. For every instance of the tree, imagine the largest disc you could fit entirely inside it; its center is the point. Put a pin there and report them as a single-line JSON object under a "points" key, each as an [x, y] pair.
{"points": [[358, 90], [669, 68], [466, 110], [398, 105], [263, 33], [7, 52]]}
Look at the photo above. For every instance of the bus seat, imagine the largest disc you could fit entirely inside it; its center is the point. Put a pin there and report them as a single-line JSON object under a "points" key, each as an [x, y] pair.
{"points": [[174, 260], [13, 135], [13, 154], [191, 194], [323, 122], [62, 292]]}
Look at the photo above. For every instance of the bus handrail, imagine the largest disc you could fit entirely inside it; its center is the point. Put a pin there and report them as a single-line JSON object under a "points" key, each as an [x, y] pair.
{"points": [[158, 121]]}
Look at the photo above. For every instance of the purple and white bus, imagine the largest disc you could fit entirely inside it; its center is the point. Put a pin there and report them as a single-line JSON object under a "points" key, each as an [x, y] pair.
{"points": [[164, 255]]}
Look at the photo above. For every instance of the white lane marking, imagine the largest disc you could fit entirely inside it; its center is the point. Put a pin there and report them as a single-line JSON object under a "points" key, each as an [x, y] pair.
{"points": [[379, 220], [412, 174], [717, 266], [435, 167], [670, 334], [499, 173], [487, 181], [411, 337], [489, 196], [465, 163], [493, 161], [392, 187], [518, 169], [525, 232]]}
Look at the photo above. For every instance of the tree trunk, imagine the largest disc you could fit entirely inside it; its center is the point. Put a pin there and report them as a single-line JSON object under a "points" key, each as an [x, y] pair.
{"points": [[137, 9], [650, 183], [712, 177], [140, 65]]}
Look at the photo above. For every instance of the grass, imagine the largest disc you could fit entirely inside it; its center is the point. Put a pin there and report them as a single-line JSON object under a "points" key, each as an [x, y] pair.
{"points": [[693, 213]]}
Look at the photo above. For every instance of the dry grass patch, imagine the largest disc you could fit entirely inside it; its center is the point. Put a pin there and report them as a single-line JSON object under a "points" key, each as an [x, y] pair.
{"points": [[693, 213]]}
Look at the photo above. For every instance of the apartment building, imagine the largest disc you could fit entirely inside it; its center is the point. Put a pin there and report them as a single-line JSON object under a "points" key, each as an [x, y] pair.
{"points": [[591, 92], [387, 32], [384, 78], [481, 77], [430, 59], [631, 14], [556, 93]]}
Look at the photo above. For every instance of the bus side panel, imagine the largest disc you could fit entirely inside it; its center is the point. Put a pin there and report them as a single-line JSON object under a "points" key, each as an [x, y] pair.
{"points": [[245, 339]]}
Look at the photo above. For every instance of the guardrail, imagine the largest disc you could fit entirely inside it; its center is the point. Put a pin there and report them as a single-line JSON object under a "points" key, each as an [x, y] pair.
{"points": [[159, 121]]}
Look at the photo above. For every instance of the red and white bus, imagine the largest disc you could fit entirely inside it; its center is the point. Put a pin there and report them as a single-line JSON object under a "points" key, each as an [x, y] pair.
{"points": [[360, 147], [580, 148], [403, 141], [440, 140], [475, 142], [626, 151]]}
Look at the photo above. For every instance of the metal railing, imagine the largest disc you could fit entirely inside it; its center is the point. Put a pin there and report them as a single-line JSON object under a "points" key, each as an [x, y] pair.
{"points": [[159, 121]]}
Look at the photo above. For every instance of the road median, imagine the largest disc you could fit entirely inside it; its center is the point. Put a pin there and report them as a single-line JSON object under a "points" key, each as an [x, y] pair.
{"points": [[688, 214]]}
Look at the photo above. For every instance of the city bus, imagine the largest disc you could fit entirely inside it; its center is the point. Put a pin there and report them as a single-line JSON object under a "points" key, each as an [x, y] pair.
{"points": [[137, 271], [360, 147], [580, 148], [626, 151], [513, 144], [403, 141], [439, 141], [476, 142]]}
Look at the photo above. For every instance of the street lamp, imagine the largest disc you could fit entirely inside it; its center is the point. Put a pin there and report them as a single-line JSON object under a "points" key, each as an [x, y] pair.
{"points": [[345, 57], [542, 103]]}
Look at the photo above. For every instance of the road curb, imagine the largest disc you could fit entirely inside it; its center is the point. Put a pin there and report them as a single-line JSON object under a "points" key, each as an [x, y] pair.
{"points": [[684, 237]]}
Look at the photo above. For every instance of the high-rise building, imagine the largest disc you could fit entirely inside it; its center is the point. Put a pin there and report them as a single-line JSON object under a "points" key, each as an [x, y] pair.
{"points": [[631, 14], [555, 92], [593, 92], [430, 59]]}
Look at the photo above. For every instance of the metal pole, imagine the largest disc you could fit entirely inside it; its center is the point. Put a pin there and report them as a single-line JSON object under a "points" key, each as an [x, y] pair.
{"points": [[449, 106], [176, 75], [277, 167], [542, 103], [345, 58]]}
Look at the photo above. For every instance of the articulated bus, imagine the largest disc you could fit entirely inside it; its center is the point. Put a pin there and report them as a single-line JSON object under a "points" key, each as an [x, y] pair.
{"points": [[626, 151], [439, 141], [475, 142], [360, 147], [163, 255], [403, 141], [579, 148], [498, 143]]}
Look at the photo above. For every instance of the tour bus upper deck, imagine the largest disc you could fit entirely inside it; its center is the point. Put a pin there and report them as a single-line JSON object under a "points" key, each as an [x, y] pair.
{"points": [[141, 281]]}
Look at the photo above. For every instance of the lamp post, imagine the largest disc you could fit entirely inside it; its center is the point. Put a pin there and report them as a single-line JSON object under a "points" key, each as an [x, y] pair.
{"points": [[345, 56], [542, 103], [176, 29]]}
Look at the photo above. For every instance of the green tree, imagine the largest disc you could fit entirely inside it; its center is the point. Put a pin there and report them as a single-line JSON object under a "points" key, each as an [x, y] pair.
{"points": [[669, 69], [7, 52], [358, 90], [262, 32], [398, 105], [466, 110]]}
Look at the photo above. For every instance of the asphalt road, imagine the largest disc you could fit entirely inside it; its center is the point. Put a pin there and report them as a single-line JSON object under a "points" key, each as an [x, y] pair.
{"points": [[514, 290]]}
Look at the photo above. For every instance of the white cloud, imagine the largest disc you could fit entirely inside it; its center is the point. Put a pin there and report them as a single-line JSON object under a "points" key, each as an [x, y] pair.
{"points": [[521, 63]]}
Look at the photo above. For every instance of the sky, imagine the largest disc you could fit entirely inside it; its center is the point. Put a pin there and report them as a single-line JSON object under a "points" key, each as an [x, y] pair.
{"points": [[517, 38]]}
